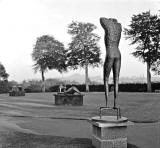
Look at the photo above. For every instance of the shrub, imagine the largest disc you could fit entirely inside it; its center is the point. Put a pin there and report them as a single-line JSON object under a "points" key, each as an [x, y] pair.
{"points": [[4, 87], [33, 88], [126, 87]]}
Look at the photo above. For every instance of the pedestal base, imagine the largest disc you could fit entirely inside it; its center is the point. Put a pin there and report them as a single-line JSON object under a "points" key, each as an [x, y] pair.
{"points": [[115, 143], [18, 93], [109, 119], [108, 132], [69, 99]]}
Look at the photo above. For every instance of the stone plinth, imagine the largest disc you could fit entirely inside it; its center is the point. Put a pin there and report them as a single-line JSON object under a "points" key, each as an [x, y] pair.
{"points": [[68, 99], [109, 132], [16, 93]]}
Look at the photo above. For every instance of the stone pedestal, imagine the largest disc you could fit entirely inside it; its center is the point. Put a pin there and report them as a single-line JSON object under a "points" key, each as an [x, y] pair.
{"points": [[68, 99], [16, 93], [108, 132]]}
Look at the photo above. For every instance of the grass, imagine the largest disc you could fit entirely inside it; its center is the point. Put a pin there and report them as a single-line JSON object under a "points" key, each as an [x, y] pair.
{"points": [[138, 107], [24, 140]]}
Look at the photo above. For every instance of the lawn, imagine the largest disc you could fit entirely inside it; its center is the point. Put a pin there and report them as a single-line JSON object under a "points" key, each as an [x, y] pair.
{"points": [[25, 120], [138, 107]]}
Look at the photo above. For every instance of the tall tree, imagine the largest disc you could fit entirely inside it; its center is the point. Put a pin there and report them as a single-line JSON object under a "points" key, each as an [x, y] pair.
{"points": [[83, 50], [142, 33], [48, 53]]}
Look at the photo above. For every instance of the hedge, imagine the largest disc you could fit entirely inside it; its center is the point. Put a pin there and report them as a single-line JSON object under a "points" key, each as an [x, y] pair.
{"points": [[127, 87]]}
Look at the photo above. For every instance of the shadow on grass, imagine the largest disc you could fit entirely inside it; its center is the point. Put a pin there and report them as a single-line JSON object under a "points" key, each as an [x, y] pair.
{"points": [[27, 140], [131, 146]]}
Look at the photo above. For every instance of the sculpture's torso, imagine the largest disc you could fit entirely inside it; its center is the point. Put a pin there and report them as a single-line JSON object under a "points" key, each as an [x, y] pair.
{"points": [[112, 36]]}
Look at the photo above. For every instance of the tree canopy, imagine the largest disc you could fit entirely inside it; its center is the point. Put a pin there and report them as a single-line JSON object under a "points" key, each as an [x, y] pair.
{"points": [[84, 45], [144, 32], [49, 53], [3, 74]]}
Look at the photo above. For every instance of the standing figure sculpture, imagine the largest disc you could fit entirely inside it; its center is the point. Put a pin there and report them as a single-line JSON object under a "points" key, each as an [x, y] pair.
{"points": [[113, 57]]}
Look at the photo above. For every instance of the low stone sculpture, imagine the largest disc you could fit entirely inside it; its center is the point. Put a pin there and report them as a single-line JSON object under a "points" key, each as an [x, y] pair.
{"points": [[17, 91]]}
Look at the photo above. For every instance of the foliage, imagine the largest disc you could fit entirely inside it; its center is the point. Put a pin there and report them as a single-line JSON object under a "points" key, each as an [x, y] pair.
{"points": [[4, 87], [156, 67], [33, 88], [35, 85], [49, 53], [84, 45], [144, 32], [3, 74]]}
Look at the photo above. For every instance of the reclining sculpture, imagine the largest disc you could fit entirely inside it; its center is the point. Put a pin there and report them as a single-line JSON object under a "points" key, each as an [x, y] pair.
{"points": [[70, 96], [71, 90]]}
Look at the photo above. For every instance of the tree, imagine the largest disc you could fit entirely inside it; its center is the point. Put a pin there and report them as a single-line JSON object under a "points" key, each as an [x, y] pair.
{"points": [[4, 86], [156, 65], [48, 53], [143, 33], [3, 74], [83, 50]]}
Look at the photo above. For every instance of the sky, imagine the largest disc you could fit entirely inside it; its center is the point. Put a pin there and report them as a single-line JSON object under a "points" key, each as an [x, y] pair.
{"points": [[22, 21]]}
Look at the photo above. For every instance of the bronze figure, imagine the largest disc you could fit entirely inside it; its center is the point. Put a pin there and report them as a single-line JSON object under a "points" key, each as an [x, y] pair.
{"points": [[113, 57]]}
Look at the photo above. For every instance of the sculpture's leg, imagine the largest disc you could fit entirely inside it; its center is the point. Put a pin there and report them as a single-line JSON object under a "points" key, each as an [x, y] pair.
{"points": [[107, 69], [72, 90], [116, 71]]}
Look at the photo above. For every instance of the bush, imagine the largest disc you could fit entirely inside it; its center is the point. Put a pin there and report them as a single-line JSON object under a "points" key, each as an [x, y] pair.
{"points": [[4, 86], [155, 86], [54, 88], [33, 88]]}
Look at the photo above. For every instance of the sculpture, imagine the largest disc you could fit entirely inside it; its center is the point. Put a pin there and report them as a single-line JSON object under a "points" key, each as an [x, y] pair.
{"points": [[17, 91], [111, 129], [70, 96], [71, 90], [113, 57]]}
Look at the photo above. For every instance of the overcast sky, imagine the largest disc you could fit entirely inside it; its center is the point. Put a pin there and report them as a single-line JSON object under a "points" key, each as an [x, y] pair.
{"points": [[22, 21]]}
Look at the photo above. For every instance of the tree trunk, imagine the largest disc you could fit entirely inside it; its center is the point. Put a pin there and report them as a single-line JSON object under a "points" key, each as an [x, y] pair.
{"points": [[43, 82], [86, 77], [149, 89]]}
